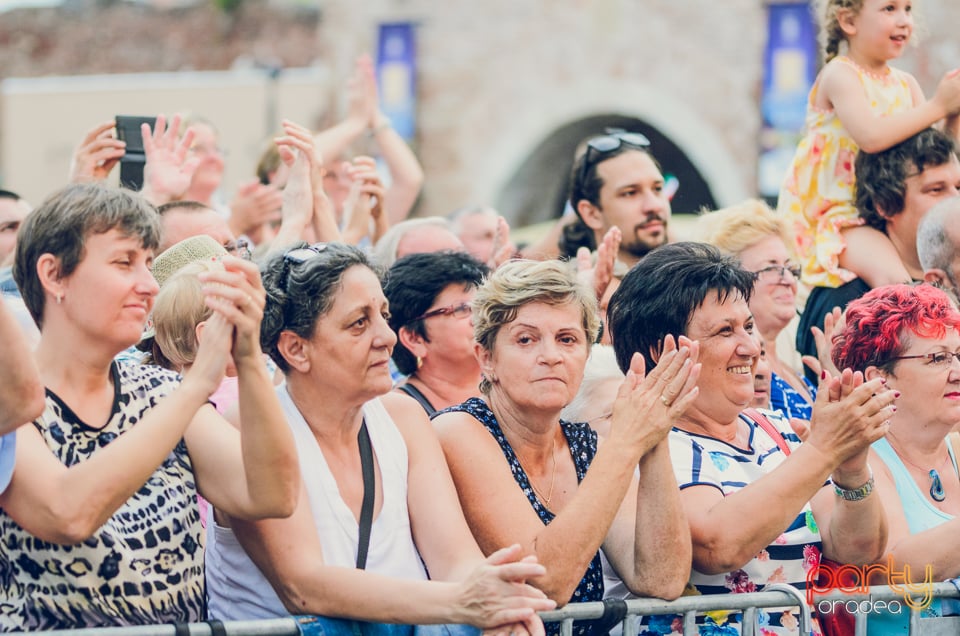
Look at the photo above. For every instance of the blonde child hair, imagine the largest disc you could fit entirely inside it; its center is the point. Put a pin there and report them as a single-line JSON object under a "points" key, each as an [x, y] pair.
{"points": [[831, 33], [177, 310]]}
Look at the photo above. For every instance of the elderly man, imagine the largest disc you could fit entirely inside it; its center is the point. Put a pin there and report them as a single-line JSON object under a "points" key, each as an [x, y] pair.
{"points": [[938, 246], [895, 188]]}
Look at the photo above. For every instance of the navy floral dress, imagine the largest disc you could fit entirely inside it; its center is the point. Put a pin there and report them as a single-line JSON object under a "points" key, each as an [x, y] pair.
{"points": [[582, 441]]}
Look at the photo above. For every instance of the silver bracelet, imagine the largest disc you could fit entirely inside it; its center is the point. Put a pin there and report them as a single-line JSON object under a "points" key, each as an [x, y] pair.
{"points": [[855, 494]]}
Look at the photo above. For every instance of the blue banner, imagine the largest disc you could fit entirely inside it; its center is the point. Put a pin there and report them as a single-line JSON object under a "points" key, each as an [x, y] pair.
{"points": [[396, 76], [790, 68]]}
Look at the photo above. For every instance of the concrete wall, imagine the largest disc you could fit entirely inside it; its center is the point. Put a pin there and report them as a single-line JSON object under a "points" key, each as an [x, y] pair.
{"points": [[496, 80], [43, 119]]}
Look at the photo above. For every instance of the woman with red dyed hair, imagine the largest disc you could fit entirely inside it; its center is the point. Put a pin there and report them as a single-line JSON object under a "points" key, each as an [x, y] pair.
{"points": [[910, 335]]}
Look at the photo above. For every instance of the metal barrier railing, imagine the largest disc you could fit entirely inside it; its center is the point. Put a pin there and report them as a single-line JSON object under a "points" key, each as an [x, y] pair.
{"points": [[689, 607]]}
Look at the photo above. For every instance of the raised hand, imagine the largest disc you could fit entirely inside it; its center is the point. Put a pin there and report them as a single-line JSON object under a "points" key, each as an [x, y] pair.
{"points": [[297, 152], [253, 205], [96, 155], [496, 593], [948, 92], [599, 274], [236, 294], [503, 248], [849, 414], [648, 405], [169, 168], [823, 340], [362, 93], [365, 200]]}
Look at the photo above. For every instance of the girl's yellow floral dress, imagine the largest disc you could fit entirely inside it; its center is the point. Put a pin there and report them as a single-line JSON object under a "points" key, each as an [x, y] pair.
{"points": [[818, 193]]}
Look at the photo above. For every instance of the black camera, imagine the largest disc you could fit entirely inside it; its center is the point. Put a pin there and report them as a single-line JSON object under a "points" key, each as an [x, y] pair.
{"points": [[133, 160]]}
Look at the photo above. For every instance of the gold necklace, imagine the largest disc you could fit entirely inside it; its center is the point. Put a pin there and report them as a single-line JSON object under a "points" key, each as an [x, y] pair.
{"points": [[553, 479]]}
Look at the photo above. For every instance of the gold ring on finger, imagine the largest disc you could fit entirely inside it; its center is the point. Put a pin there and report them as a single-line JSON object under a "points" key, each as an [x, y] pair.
{"points": [[666, 402]]}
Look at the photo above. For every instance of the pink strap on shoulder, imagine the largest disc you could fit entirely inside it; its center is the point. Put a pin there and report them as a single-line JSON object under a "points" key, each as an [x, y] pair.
{"points": [[761, 420]]}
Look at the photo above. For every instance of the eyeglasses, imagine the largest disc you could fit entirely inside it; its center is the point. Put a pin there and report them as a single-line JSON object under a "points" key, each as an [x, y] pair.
{"points": [[937, 359], [239, 248], [599, 146], [457, 311], [776, 273], [299, 256]]}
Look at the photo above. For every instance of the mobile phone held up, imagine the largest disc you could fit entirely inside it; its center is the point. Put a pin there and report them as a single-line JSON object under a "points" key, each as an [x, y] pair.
{"points": [[133, 160]]}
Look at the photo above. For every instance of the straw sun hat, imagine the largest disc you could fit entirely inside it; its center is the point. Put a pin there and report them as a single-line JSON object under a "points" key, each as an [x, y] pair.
{"points": [[178, 255]]}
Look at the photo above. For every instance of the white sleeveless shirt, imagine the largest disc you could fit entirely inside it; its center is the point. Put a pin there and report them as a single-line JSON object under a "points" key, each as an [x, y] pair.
{"points": [[237, 590]]}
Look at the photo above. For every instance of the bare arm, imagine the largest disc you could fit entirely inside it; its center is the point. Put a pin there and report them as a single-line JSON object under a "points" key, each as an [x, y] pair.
{"points": [[935, 547], [67, 505], [464, 589], [499, 513], [649, 542], [872, 257], [729, 531], [297, 213], [406, 174], [852, 531], [873, 133], [22, 397], [263, 452]]}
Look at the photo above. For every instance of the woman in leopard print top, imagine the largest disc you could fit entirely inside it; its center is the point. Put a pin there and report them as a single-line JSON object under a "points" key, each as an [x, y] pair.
{"points": [[100, 523]]}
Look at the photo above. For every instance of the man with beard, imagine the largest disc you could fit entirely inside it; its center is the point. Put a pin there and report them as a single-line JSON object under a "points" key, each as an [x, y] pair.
{"points": [[617, 182]]}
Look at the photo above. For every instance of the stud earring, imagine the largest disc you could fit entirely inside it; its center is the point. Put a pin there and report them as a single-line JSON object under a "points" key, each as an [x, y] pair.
{"points": [[59, 298]]}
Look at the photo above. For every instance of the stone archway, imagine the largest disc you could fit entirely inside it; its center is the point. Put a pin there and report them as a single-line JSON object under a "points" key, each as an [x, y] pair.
{"points": [[538, 190], [534, 149]]}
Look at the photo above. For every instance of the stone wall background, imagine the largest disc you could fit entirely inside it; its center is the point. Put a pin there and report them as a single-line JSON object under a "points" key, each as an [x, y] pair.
{"points": [[496, 79]]}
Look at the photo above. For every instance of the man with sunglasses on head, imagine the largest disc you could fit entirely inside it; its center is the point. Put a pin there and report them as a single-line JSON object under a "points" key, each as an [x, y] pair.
{"points": [[617, 182], [895, 188]]}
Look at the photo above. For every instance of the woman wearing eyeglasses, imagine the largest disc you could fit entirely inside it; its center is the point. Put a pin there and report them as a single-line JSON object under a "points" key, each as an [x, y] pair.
{"points": [[378, 509], [910, 336], [431, 298], [753, 233]]}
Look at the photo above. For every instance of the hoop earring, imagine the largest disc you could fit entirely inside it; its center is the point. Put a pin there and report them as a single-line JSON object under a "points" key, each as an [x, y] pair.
{"points": [[59, 298]]}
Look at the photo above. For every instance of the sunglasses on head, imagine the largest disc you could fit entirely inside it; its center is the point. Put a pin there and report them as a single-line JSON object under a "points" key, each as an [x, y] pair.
{"points": [[604, 144], [299, 256]]}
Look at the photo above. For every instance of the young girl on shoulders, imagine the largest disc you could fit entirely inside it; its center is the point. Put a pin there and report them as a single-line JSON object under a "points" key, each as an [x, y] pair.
{"points": [[857, 102]]}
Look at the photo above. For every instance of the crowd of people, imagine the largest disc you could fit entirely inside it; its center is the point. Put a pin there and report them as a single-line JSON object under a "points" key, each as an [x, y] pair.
{"points": [[304, 403]]}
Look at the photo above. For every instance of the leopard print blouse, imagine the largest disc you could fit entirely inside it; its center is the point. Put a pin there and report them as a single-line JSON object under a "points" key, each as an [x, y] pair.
{"points": [[144, 565]]}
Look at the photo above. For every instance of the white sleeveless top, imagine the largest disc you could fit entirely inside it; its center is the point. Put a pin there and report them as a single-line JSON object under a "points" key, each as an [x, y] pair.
{"points": [[236, 588]]}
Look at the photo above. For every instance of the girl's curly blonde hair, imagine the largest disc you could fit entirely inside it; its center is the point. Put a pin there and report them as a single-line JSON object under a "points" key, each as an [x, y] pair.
{"points": [[831, 34]]}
